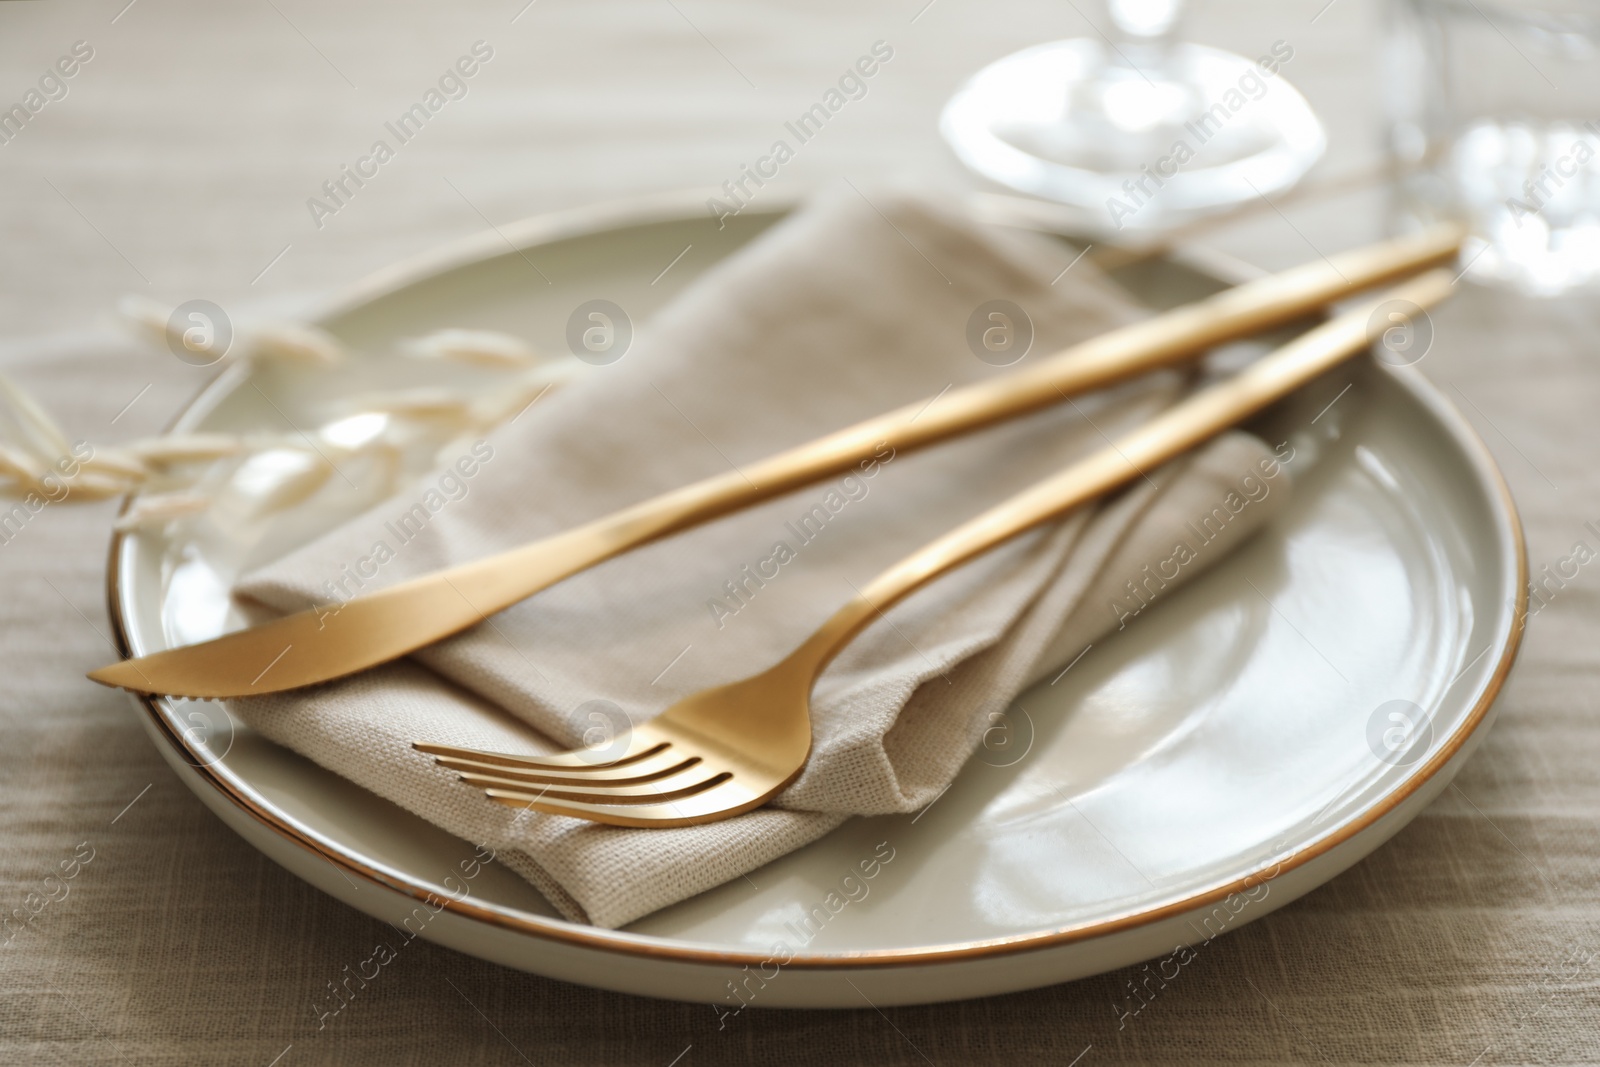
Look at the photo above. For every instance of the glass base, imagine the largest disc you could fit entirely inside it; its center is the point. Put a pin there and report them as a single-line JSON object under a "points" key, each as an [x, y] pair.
{"points": [[1146, 150]]}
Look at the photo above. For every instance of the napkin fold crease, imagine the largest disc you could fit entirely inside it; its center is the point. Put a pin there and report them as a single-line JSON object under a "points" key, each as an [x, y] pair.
{"points": [[844, 310]]}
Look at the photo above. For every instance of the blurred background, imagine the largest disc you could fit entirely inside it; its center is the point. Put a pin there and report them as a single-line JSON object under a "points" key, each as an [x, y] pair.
{"points": [[178, 165], [180, 161]]}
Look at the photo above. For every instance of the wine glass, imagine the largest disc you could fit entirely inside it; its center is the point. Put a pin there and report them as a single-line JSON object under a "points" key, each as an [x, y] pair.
{"points": [[1133, 127], [1491, 123]]}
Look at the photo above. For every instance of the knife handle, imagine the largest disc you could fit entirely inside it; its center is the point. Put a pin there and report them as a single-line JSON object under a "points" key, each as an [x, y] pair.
{"points": [[322, 644]]}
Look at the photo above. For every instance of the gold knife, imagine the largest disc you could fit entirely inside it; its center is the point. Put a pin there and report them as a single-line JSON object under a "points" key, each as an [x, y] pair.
{"points": [[317, 645]]}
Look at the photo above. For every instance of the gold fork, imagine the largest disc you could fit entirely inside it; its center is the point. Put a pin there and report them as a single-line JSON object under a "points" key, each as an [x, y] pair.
{"points": [[729, 749]]}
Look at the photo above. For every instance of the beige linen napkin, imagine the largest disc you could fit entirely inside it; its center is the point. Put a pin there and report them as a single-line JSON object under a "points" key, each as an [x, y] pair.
{"points": [[847, 309]]}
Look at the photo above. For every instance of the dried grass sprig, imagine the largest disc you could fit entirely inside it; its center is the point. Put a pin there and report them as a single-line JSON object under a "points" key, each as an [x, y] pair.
{"points": [[482, 348], [259, 340], [180, 476]]}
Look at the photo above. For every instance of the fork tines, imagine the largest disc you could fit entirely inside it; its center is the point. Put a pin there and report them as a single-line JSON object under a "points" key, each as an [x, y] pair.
{"points": [[653, 775]]}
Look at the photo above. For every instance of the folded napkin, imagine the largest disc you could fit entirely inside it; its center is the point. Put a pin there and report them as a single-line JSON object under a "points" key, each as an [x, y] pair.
{"points": [[845, 310]]}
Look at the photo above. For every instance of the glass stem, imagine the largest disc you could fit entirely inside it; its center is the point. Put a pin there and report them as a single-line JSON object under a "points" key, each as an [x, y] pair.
{"points": [[1143, 32]]}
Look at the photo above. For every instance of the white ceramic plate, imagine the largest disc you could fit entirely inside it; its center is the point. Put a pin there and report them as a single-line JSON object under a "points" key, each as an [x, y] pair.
{"points": [[1234, 750]]}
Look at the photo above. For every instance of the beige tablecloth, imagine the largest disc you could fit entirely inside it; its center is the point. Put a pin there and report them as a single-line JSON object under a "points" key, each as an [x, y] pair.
{"points": [[179, 164]]}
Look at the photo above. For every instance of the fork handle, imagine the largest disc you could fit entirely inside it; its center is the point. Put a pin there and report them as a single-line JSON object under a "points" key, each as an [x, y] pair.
{"points": [[1130, 457], [1111, 357]]}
